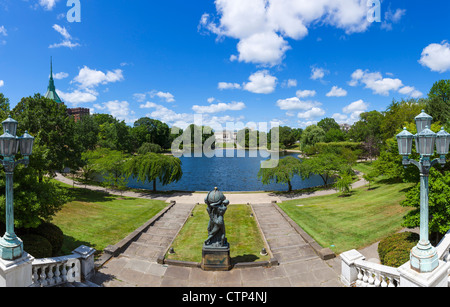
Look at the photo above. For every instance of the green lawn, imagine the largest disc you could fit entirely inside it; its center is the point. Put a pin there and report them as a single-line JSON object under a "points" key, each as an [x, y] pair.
{"points": [[356, 221], [242, 233], [97, 219]]}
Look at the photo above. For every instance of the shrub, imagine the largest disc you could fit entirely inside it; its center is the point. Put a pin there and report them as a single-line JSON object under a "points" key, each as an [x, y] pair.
{"points": [[52, 233], [395, 249], [37, 246]]}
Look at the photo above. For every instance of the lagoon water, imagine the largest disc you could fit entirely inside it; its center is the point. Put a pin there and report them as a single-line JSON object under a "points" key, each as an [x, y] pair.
{"points": [[231, 170]]}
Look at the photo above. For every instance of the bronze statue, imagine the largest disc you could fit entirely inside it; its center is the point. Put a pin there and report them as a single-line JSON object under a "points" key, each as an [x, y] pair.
{"points": [[217, 206]]}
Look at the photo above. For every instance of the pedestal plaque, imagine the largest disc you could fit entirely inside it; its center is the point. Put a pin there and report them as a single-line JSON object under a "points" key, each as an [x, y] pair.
{"points": [[216, 259]]}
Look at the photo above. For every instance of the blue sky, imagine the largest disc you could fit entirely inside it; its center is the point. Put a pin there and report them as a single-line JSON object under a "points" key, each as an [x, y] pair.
{"points": [[290, 61]]}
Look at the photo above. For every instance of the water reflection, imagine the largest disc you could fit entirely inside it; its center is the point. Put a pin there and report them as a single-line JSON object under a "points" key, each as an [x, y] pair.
{"points": [[231, 170]]}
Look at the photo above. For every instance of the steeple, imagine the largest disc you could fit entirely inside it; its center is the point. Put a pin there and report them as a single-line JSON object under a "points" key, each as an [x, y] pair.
{"points": [[51, 90]]}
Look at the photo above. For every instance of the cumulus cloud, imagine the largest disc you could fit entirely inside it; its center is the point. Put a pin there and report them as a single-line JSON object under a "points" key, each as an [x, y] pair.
{"points": [[48, 4], [261, 82], [118, 109], [382, 86], [318, 73], [306, 93], [436, 57], [67, 38], [183, 120], [391, 17], [89, 78], [314, 112], [295, 103], [220, 107], [60, 75], [87, 81], [228, 86], [351, 112], [77, 97], [262, 27], [337, 92], [2, 83], [3, 31]]}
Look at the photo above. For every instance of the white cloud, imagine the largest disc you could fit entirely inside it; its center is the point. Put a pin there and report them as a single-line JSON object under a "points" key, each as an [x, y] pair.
{"points": [[67, 38], [3, 31], [382, 86], [356, 106], [183, 120], [296, 104], [220, 107], [77, 97], [228, 86], [263, 26], [211, 99], [314, 112], [337, 92], [261, 82], [89, 78], [2, 83], [60, 75], [118, 109], [289, 83], [305, 93], [410, 91], [318, 73], [265, 47], [375, 82], [352, 112], [48, 4], [392, 17], [436, 57], [168, 97]]}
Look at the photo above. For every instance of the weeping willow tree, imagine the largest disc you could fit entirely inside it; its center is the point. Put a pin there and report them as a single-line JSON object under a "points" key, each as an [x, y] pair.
{"points": [[151, 167], [283, 172]]}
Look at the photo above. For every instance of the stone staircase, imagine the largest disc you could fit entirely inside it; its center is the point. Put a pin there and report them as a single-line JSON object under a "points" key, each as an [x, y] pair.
{"points": [[156, 240]]}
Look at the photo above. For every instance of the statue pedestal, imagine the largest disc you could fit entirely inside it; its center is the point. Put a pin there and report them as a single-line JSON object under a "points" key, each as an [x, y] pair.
{"points": [[216, 258]]}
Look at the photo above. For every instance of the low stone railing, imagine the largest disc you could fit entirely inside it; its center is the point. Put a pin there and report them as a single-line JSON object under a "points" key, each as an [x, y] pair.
{"points": [[358, 272], [49, 272]]}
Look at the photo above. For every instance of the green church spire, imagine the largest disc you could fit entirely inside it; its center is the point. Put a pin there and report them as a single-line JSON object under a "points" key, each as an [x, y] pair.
{"points": [[51, 90]]}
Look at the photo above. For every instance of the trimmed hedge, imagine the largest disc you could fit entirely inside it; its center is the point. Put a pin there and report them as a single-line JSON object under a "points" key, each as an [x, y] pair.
{"points": [[395, 249], [52, 233], [37, 246]]}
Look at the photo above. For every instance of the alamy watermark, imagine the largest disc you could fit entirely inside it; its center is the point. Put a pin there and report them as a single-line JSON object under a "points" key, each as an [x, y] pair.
{"points": [[374, 11], [74, 13], [194, 144]]}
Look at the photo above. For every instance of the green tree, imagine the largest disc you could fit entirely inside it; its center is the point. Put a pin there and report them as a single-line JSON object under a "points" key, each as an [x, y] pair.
{"points": [[327, 165], [111, 164], [283, 173], [55, 146], [113, 134], [328, 123], [398, 114], [438, 103], [344, 183], [312, 135], [439, 205], [151, 167], [147, 130]]}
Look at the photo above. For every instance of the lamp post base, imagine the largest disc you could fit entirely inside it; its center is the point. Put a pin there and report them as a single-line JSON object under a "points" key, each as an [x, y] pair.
{"points": [[424, 258], [10, 249]]}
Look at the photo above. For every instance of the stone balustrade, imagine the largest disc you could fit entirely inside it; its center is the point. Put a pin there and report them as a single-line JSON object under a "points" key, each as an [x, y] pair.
{"points": [[49, 272], [358, 272]]}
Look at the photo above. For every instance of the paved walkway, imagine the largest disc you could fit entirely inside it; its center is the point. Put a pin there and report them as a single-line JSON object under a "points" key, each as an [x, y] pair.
{"points": [[298, 265]]}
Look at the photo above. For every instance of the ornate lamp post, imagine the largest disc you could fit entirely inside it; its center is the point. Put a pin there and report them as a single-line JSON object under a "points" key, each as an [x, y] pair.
{"points": [[11, 247], [424, 256]]}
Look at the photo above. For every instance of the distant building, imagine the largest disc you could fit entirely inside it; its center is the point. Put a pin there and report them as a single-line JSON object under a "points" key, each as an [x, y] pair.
{"points": [[77, 113], [225, 136], [345, 127]]}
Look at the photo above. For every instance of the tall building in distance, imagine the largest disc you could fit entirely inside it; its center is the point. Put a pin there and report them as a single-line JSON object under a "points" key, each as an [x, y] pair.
{"points": [[77, 113]]}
